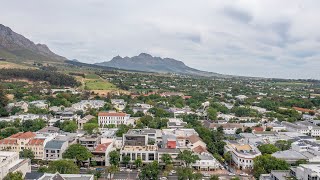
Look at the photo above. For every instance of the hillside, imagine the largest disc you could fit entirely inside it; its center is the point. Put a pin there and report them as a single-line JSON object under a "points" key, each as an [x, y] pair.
{"points": [[15, 46], [148, 63]]}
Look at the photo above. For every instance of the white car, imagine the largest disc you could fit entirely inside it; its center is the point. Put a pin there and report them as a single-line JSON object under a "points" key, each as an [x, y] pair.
{"points": [[244, 174], [173, 171]]}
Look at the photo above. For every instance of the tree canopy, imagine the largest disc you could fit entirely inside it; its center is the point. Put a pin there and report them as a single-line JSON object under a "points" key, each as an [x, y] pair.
{"points": [[78, 153]]}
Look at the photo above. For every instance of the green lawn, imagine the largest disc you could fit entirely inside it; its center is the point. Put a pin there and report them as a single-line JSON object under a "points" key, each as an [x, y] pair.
{"points": [[92, 76], [98, 84]]}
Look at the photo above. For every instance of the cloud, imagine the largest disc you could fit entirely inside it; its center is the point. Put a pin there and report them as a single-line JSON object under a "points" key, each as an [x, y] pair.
{"points": [[267, 38]]}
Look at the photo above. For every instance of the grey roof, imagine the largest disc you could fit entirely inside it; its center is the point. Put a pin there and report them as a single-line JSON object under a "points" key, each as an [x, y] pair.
{"points": [[167, 150], [33, 175], [203, 157], [54, 144], [289, 155]]}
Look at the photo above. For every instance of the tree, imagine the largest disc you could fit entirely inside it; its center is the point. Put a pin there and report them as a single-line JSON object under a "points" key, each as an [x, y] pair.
{"points": [[283, 145], [26, 153], [90, 128], [227, 157], [239, 130], [150, 171], [69, 126], [265, 163], [14, 176], [186, 173], [112, 169], [268, 148], [187, 157], [214, 177], [138, 162], [212, 113], [33, 125], [122, 128], [300, 161], [248, 130], [114, 158], [166, 158], [63, 167], [126, 160], [78, 153]]}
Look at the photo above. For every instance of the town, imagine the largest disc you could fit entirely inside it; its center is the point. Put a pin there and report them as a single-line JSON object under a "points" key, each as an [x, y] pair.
{"points": [[157, 126]]}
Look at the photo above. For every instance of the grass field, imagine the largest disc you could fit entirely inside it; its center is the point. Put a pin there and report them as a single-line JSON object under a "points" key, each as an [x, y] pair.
{"points": [[92, 76], [98, 84]]}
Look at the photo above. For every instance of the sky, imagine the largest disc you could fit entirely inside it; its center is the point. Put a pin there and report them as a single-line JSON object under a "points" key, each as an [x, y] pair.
{"points": [[262, 38]]}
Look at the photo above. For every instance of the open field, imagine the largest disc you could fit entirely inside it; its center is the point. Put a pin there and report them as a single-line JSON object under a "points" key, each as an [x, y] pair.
{"points": [[92, 76], [98, 84], [9, 65]]}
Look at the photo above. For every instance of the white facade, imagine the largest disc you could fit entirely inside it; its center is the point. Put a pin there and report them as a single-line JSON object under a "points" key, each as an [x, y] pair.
{"points": [[307, 172], [10, 162], [107, 118], [242, 154]]}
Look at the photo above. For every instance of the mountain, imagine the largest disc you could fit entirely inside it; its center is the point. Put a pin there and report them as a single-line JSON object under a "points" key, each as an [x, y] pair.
{"points": [[148, 63], [16, 46]]}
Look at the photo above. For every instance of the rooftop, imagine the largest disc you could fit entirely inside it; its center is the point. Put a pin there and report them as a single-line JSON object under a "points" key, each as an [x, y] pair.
{"points": [[112, 114], [140, 148]]}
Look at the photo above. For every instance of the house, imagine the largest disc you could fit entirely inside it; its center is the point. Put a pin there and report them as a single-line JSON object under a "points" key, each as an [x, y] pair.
{"points": [[49, 129], [242, 154], [228, 128], [101, 153], [54, 149], [84, 105], [21, 104], [306, 171], [84, 120], [139, 107], [41, 104], [175, 123], [171, 151], [118, 104], [241, 97], [90, 142], [206, 163], [115, 118], [10, 162], [66, 115]]}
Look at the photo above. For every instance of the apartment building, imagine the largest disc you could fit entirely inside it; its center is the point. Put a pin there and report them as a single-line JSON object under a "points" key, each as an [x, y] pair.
{"points": [[115, 118], [54, 149], [242, 154], [10, 162]]}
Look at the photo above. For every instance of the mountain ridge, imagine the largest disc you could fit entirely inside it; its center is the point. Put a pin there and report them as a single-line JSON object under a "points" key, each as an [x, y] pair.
{"points": [[149, 63], [16, 46]]}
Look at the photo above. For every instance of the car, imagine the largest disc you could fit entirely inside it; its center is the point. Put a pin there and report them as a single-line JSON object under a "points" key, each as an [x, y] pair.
{"points": [[163, 178], [231, 174], [206, 175], [173, 171], [244, 174]]}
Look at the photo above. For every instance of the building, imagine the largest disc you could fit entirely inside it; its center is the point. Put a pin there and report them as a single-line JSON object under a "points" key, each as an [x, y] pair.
{"points": [[90, 142], [306, 172], [84, 120], [303, 127], [118, 104], [138, 107], [206, 163], [58, 176], [16, 142], [228, 128], [146, 153], [10, 162], [108, 118], [101, 153], [84, 105], [54, 149], [175, 123], [242, 154]]}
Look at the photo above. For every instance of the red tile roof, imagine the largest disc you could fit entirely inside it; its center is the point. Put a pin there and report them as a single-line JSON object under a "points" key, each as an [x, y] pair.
{"points": [[194, 138], [102, 147], [36, 141], [199, 149], [257, 129], [8, 141], [303, 109], [111, 114], [23, 135]]}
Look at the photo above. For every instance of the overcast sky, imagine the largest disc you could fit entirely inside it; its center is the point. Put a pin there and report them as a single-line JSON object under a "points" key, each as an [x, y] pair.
{"points": [[270, 38]]}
